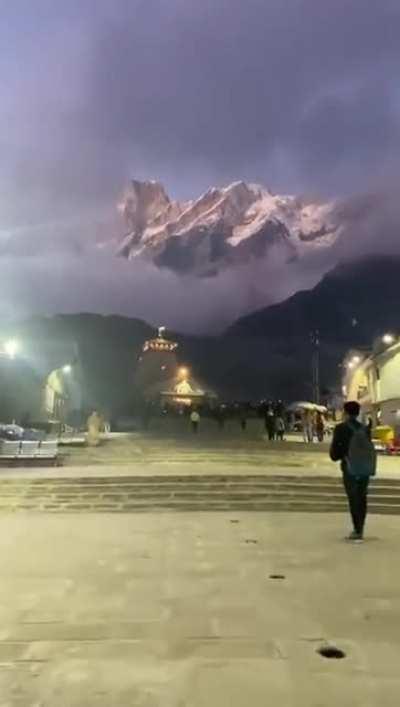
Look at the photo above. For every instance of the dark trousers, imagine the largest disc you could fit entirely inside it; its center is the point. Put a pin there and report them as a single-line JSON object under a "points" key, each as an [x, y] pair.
{"points": [[357, 494], [195, 427]]}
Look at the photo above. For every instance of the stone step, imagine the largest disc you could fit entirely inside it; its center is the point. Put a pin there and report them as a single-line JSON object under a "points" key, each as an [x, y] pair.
{"points": [[200, 481], [189, 493]]}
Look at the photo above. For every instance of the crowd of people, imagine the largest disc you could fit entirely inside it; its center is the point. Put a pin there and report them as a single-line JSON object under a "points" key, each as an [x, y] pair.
{"points": [[278, 421]]}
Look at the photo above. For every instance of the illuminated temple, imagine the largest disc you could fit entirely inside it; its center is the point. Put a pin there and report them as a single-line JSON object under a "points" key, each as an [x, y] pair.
{"points": [[160, 377]]}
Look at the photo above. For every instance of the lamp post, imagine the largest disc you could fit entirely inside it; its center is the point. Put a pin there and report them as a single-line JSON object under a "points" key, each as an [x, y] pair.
{"points": [[388, 339], [315, 341], [11, 348]]}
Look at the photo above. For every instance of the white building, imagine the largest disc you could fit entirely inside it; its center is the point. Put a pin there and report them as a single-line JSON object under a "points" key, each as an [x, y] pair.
{"points": [[374, 380]]}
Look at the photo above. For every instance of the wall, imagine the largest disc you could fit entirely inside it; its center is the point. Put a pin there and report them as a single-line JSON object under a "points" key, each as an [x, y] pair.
{"points": [[389, 368]]}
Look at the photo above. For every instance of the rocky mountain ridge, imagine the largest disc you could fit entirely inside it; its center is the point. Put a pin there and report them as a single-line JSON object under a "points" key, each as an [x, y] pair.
{"points": [[223, 227]]}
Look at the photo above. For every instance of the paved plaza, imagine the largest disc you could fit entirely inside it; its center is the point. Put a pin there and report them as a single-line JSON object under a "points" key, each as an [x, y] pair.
{"points": [[155, 571], [197, 610]]}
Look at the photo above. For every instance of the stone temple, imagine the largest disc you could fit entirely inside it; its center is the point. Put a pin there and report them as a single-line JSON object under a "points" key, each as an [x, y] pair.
{"points": [[161, 377]]}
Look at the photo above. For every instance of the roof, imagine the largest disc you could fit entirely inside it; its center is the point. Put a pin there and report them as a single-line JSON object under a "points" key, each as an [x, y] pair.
{"points": [[159, 344]]}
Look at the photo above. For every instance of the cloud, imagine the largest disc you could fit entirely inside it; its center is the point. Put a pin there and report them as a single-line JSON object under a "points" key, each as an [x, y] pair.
{"points": [[54, 275], [60, 282], [299, 94]]}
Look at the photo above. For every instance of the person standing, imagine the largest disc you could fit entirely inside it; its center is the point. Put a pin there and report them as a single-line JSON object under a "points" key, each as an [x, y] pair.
{"points": [[270, 425], [352, 446], [320, 427], [280, 427], [307, 425], [94, 426], [194, 421], [220, 415]]}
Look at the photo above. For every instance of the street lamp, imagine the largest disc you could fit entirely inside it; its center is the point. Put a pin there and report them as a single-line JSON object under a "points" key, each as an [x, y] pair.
{"points": [[315, 341], [11, 347], [388, 339]]}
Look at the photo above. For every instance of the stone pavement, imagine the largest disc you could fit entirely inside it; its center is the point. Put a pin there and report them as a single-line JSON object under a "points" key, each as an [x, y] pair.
{"points": [[197, 610], [240, 455]]}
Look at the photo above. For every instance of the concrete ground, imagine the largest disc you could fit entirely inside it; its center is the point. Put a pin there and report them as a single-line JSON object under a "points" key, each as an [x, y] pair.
{"points": [[188, 609], [181, 610]]}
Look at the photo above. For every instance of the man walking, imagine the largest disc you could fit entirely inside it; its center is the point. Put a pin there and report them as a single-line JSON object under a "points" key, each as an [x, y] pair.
{"points": [[352, 446], [280, 428], [270, 425], [194, 421]]}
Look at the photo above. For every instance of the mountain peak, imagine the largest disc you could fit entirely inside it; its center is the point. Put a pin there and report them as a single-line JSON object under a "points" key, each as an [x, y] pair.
{"points": [[224, 226]]}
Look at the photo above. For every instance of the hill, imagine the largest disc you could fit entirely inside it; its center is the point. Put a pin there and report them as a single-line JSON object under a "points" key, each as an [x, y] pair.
{"points": [[266, 354], [350, 306]]}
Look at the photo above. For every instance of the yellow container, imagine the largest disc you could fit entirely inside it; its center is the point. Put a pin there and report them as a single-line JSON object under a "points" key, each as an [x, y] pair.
{"points": [[384, 433]]}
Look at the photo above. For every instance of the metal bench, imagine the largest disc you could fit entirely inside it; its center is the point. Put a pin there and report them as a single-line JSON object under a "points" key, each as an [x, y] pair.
{"points": [[29, 451], [9, 450], [48, 450]]}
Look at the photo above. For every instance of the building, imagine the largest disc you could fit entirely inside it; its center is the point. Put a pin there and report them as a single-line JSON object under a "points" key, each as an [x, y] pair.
{"points": [[157, 366], [160, 377], [373, 378], [40, 381]]}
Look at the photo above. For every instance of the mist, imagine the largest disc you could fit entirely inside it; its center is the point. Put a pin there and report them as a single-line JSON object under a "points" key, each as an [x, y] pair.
{"points": [[68, 279]]}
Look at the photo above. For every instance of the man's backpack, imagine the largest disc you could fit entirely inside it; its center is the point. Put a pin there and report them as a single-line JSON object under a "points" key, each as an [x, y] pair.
{"points": [[361, 458]]}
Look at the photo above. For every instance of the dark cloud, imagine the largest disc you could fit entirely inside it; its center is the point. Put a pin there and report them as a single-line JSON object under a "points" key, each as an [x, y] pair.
{"points": [[300, 94]]}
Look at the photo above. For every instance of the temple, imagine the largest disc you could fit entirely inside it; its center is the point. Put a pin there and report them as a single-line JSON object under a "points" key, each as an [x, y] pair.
{"points": [[161, 377]]}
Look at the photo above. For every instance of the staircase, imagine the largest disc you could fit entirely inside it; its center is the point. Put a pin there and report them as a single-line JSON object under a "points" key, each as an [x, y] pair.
{"points": [[132, 494]]}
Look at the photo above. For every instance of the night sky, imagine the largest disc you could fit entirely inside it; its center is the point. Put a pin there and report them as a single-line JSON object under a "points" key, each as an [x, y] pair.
{"points": [[301, 95]]}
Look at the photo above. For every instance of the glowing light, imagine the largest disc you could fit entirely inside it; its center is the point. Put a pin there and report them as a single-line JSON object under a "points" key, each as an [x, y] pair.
{"points": [[67, 369], [183, 372], [11, 347], [388, 339], [351, 364], [356, 359]]}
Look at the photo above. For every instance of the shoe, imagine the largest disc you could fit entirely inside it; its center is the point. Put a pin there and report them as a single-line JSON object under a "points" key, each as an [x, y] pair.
{"points": [[355, 537]]}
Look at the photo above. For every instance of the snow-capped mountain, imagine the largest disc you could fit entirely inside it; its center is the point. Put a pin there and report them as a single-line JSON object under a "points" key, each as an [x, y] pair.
{"points": [[224, 226]]}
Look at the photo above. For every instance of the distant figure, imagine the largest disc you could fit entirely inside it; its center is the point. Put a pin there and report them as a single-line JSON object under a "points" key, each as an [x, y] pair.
{"points": [[220, 418], [320, 427], [243, 420], [270, 426], [280, 428], [307, 426], [194, 421], [352, 446], [94, 426]]}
